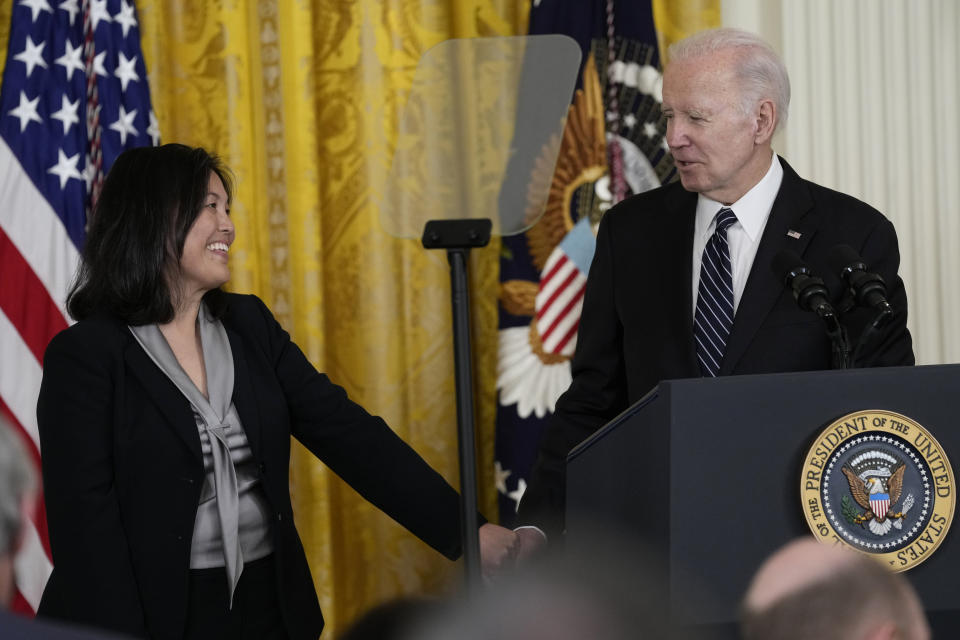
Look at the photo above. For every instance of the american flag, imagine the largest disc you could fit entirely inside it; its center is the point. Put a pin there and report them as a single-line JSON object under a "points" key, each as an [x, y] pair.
{"points": [[74, 95], [562, 285]]}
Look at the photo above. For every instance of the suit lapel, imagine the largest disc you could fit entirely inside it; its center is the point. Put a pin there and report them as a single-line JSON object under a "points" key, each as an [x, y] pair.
{"points": [[791, 225], [244, 398], [678, 259], [162, 392]]}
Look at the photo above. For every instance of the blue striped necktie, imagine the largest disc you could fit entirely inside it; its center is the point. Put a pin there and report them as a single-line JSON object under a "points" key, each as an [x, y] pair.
{"points": [[714, 315]]}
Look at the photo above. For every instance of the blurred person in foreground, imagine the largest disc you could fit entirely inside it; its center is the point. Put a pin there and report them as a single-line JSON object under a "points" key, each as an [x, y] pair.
{"points": [[165, 419], [812, 590], [17, 497], [707, 302], [616, 591], [17, 494], [394, 619]]}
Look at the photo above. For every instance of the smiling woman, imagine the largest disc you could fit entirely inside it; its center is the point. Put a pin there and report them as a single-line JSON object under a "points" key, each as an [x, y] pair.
{"points": [[139, 233], [165, 419], [203, 265]]}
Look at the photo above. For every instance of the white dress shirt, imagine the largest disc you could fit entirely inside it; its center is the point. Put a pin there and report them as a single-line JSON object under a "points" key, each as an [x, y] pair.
{"points": [[743, 236]]}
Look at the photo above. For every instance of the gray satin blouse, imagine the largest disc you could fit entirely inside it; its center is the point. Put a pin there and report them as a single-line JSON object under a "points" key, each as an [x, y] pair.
{"points": [[232, 524]]}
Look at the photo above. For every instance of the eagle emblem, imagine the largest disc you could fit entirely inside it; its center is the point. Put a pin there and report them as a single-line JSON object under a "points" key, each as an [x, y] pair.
{"points": [[876, 483], [533, 367]]}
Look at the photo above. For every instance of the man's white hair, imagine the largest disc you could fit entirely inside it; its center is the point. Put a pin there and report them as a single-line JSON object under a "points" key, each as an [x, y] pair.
{"points": [[16, 481], [760, 70]]}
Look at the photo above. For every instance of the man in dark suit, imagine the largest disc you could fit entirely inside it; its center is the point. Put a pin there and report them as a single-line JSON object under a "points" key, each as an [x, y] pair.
{"points": [[681, 284]]}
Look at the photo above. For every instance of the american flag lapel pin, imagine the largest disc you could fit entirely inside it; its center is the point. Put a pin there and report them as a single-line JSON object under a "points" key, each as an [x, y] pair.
{"points": [[794, 234]]}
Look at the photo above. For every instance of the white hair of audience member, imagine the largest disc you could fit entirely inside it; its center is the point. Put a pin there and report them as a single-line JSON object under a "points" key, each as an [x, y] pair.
{"points": [[16, 484]]}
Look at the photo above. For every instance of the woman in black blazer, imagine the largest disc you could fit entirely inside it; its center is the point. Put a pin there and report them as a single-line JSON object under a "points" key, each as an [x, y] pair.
{"points": [[165, 418]]}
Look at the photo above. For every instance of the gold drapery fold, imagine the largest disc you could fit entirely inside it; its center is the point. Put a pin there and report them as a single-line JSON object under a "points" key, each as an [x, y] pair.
{"points": [[677, 20], [302, 100]]}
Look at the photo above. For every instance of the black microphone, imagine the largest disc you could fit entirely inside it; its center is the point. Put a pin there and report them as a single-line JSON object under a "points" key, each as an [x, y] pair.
{"points": [[867, 289], [808, 290]]}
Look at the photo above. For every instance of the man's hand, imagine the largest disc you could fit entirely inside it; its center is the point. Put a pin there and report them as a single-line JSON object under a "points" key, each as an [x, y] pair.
{"points": [[532, 541], [498, 549]]}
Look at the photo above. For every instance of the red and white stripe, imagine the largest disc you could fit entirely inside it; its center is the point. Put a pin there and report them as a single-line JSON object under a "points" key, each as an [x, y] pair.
{"points": [[38, 262], [880, 507], [558, 304]]}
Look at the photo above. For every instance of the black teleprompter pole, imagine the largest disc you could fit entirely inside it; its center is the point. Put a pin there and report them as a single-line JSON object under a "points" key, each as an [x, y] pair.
{"points": [[458, 237]]}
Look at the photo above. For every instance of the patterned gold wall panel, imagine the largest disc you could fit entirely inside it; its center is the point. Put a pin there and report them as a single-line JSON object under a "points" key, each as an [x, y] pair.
{"points": [[6, 8], [677, 20]]}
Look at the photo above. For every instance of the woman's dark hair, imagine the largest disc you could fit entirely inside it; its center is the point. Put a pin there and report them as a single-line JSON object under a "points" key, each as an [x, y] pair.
{"points": [[135, 237]]}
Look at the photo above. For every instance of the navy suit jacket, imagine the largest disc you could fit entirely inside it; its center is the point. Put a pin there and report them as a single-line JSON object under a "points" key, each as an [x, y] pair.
{"points": [[123, 469], [636, 328]]}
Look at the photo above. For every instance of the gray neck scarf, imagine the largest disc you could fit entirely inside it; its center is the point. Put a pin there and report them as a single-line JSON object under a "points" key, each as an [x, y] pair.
{"points": [[218, 364]]}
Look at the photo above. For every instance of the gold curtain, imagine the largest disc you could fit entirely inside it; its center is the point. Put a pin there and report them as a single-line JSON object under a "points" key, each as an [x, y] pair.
{"points": [[302, 100], [675, 20], [6, 8]]}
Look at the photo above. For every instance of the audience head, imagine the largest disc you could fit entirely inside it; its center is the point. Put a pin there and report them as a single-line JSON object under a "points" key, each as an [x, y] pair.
{"points": [[392, 620], [812, 590], [17, 486], [606, 588]]}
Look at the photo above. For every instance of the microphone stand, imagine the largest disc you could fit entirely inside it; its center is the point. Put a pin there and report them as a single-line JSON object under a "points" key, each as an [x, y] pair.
{"points": [[880, 319], [458, 237], [840, 341]]}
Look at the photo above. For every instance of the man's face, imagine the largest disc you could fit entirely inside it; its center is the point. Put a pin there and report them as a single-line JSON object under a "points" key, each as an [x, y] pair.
{"points": [[714, 143]]}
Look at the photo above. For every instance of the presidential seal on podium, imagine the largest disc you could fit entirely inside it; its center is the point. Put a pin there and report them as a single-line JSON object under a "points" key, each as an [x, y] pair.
{"points": [[879, 482]]}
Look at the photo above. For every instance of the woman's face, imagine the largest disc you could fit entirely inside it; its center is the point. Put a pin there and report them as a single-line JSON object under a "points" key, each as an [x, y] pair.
{"points": [[203, 265]]}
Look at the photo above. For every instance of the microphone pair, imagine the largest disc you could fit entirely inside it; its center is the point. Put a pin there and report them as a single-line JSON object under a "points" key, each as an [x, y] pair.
{"points": [[865, 289]]}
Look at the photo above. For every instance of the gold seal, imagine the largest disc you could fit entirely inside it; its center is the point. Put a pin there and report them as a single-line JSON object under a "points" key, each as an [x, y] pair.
{"points": [[878, 482]]}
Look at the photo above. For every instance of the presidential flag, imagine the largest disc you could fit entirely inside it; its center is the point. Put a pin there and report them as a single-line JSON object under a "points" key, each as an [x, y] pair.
{"points": [[74, 95], [613, 146]]}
